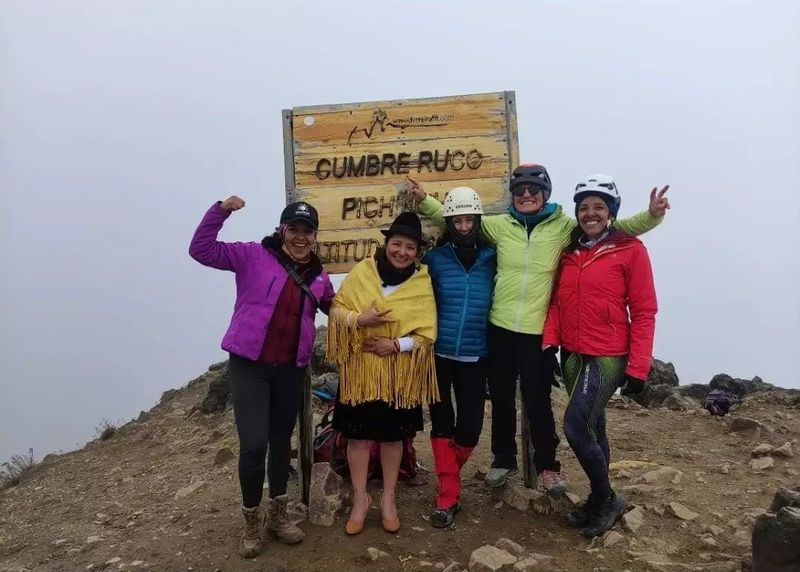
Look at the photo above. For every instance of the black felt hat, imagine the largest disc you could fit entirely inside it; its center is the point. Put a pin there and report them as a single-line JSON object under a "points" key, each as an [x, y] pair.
{"points": [[406, 224]]}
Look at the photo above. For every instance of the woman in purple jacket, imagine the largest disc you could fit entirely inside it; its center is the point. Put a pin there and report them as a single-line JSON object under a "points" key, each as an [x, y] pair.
{"points": [[280, 285]]}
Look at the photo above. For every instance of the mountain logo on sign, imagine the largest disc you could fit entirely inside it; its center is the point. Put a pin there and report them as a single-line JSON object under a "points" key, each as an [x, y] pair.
{"points": [[381, 119]]}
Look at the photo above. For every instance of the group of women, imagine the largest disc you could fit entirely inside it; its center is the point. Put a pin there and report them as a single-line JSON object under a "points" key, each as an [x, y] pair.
{"points": [[486, 304]]}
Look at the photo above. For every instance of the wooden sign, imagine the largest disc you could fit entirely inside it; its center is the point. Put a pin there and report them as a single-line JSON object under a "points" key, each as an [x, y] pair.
{"points": [[351, 161]]}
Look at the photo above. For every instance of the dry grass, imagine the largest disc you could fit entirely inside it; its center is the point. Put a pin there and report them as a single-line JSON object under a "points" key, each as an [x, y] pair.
{"points": [[106, 430], [17, 469]]}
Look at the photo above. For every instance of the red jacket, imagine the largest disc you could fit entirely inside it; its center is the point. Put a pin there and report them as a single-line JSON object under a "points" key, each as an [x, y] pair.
{"points": [[605, 304]]}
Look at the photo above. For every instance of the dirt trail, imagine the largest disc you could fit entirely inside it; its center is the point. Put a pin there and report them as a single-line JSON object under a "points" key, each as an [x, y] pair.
{"points": [[152, 497]]}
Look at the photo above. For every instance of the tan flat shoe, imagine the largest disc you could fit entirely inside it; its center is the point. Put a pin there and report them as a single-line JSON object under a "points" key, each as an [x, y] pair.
{"points": [[391, 524], [352, 527]]}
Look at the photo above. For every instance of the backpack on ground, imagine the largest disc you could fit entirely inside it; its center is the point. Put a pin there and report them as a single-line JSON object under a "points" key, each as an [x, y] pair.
{"points": [[719, 401], [331, 446]]}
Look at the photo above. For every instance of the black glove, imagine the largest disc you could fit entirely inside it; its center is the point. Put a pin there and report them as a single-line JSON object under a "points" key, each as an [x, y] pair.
{"points": [[550, 365], [632, 385]]}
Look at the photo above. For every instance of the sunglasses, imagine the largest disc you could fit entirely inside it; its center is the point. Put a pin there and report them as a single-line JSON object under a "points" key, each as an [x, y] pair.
{"points": [[520, 190]]}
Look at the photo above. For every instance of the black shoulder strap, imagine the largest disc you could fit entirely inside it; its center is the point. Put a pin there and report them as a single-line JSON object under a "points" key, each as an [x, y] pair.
{"points": [[290, 269]]}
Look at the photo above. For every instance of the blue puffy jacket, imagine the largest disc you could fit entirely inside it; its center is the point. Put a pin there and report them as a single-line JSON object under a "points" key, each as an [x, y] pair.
{"points": [[463, 299]]}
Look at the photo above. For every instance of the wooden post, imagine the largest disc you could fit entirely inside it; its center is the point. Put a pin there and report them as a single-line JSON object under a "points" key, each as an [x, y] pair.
{"points": [[529, 475], [305, 437], [305, 420]]}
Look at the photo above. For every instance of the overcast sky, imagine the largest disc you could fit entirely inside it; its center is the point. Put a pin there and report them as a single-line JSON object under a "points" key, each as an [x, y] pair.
{"points": [[121, 122]]}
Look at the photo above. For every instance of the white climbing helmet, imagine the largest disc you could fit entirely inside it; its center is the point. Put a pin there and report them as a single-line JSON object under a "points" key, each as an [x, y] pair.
{"points": [[599, 185], [462, 201]]}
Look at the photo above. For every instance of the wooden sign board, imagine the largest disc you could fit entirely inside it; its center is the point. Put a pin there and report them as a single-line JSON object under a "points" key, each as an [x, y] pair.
{"points": [[351, 162]]}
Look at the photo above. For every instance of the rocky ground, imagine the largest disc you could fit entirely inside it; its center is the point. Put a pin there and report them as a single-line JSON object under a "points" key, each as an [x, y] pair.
{"points": [[162, 493]]}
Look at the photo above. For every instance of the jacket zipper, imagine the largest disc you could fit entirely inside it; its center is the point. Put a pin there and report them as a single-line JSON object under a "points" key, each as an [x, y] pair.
{"points": [[580, 272], [524, 278], [581, 265], [466, 297], [463, 318]]}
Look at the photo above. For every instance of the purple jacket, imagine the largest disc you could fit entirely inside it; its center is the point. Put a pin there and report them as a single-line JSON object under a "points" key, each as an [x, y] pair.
{"points": [[260, 277]]}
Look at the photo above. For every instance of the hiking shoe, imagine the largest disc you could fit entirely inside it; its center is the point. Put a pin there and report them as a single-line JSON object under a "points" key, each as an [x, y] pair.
{"points": [[251, 542], [278, 522], [497, 476], [552, 483], [443, 517], [605, 515], [580, 516]]}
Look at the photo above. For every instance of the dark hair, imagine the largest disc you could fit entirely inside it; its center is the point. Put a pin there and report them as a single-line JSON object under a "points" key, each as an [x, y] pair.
{"points": [[573, 238], [273, 241]]}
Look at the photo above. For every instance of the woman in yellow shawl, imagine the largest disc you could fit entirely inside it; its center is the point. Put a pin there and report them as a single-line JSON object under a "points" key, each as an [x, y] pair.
{"points": [[381, 332]]}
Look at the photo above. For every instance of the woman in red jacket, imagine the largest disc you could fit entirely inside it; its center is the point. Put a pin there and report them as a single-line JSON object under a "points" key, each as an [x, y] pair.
{"points": [[603, 316]]}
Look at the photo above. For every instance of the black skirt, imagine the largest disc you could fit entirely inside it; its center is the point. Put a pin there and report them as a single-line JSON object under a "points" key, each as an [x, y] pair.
{"points": [[376, 421]]}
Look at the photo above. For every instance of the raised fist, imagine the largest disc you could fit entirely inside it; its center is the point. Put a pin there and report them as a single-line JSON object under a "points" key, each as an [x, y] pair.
{"points": [[232, 203]]}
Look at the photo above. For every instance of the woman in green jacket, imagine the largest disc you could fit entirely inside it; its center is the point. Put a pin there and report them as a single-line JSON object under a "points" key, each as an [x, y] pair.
{"points": [[529, 240]]}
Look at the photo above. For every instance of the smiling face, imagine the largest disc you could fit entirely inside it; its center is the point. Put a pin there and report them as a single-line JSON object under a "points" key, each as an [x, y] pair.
{"points": [[531, 201], [401, 251], [593, 216], [298, 240]]}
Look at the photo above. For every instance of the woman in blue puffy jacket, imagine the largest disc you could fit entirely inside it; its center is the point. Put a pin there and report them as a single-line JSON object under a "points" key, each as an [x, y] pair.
{"points": [[462, 269]]}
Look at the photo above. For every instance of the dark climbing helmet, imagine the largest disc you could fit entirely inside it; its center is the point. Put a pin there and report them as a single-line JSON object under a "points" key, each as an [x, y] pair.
{"points": [[531, 174]]}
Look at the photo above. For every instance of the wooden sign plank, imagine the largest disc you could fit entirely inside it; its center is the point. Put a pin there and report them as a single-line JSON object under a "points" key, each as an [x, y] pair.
{"points": [[372, 206], [351, 160], [428, 159], [382, 123]]}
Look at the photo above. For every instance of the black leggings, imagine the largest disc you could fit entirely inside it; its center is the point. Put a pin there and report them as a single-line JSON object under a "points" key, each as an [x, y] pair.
{"points": [[513, 355], [265, 403], [591, 381], [468, 382]]}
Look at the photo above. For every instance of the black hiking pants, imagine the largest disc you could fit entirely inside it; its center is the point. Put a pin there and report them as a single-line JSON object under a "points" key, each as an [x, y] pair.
{"points": [[468, 382], [265, 399], [515, 355]]}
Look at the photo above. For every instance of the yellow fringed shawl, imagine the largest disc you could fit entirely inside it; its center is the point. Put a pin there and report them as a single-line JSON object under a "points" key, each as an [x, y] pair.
{"points": [[405, 379]]}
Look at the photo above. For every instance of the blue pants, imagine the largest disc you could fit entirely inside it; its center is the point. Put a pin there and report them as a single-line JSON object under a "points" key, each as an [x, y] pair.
{"points": [[591, 381]]}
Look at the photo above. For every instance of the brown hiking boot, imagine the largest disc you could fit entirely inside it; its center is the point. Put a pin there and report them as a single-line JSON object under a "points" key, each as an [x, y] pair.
{"points": [[252, 541], [278, 522]]}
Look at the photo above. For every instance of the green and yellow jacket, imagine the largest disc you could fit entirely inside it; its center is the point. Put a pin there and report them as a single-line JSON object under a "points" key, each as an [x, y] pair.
{"points": [[527, 262]]}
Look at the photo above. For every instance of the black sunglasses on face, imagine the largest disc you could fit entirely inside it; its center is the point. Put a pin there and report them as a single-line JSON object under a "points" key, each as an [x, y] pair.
{"points": [[520, 190]]}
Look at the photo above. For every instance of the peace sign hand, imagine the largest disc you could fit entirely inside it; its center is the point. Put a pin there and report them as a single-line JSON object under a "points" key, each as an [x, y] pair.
{"points": [[372, 317], [659, 204]]}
